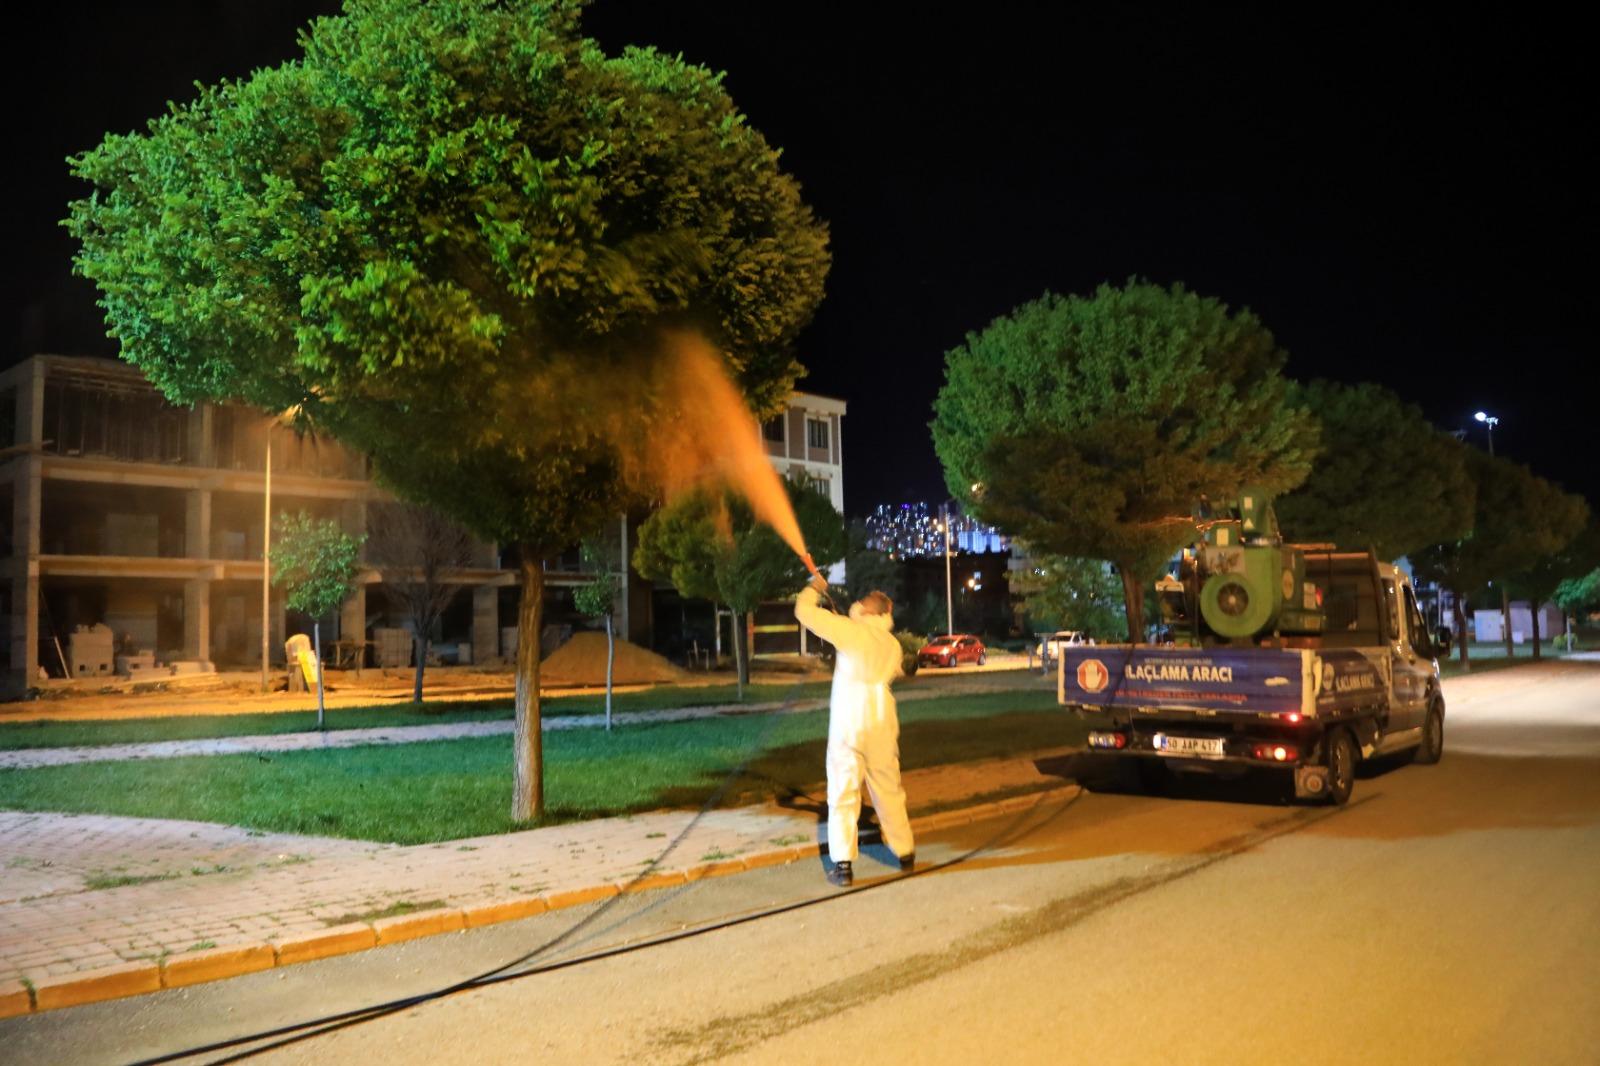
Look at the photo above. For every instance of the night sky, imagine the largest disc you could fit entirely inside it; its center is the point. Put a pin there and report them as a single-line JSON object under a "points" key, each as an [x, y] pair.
{"points": [[1398, 200]]}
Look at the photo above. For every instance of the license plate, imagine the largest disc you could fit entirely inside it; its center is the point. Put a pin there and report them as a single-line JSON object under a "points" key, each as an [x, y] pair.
{"points": [[1204, 747]]}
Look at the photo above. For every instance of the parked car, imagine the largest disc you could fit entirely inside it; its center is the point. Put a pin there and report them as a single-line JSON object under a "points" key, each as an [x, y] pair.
{"points": [[1066, 638], [953, 650]]}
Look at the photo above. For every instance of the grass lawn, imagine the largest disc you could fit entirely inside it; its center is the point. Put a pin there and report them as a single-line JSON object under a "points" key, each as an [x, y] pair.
{"points": [[417, 793], [1493, 657], [61, 733]]}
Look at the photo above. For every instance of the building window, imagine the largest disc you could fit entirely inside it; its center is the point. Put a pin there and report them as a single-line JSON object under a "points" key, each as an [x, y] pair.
{"points": [[817, 433], [822, 487], [772, 429]]}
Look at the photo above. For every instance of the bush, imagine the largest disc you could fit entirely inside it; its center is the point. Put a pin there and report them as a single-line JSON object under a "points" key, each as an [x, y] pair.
{"points": [[910, 644]]}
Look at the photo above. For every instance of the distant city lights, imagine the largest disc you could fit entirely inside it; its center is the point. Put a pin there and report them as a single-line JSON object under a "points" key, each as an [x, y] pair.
{"points": [[909, 530]]}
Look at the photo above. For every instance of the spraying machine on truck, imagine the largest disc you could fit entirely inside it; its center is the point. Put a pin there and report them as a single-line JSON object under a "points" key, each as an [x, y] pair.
{"points": [[1302, 658]]}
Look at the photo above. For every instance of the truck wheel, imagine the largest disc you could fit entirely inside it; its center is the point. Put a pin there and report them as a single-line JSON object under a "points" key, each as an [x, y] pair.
{"points": [[1341, 762], [1432, 746], [1153, 779]]}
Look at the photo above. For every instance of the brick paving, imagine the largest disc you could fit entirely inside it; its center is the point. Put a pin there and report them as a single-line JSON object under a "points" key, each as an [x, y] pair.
{"points": [[84, 893]]}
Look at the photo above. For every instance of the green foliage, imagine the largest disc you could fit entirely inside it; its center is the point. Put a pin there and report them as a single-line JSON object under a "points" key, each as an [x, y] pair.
{"points": [[1385, 478], [867, 570], [598, 598], [446, 232], [1575, 595], [1071, 592], [713, 548], [316, 560], [1092, 425], [1570, 566], [1520, 521]]}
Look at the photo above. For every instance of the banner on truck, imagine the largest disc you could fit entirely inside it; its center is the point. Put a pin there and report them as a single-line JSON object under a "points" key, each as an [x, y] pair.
{"points": [[1218, 679]]}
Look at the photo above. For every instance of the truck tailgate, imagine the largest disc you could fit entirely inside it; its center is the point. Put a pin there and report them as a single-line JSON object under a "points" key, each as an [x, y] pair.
{"points": [[1250, 680], [1213, 680]]}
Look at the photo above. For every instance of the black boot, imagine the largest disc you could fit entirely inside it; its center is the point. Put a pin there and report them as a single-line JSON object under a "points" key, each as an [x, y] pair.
{"points": [[908, 862], [841, 874]]}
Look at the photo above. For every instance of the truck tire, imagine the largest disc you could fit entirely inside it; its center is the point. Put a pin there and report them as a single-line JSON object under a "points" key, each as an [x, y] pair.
{"points": [[1432, 747], [1341, 763]]}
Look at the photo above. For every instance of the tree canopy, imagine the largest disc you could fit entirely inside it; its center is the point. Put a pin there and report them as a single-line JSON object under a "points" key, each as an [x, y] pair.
{"points": [[1090, 426], [1067, 592], [449, 234], [1385, 477]]}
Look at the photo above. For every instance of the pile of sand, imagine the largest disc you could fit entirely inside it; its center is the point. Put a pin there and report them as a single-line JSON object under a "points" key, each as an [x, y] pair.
{"points": [[582, 661]]}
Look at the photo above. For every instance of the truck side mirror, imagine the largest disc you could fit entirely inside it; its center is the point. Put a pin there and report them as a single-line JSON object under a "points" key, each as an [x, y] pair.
{"points": [[1442, 640]]}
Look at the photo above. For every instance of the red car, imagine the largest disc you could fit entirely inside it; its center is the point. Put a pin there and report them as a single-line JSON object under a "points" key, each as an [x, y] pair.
{"points": [[952, 651]]}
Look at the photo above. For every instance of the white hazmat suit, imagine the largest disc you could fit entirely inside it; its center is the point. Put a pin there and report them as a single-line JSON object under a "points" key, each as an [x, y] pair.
{"points": [[863, 730]]}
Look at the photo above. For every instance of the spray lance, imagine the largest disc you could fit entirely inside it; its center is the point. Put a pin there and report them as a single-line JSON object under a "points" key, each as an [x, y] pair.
{"points": [[805, 557]]}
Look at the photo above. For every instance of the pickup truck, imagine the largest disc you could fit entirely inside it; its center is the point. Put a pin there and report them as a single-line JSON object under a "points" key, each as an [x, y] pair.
{"points": [[1313, 706]]}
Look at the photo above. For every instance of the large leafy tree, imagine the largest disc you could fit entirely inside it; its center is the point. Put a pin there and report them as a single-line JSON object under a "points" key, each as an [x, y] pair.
{"points": [[416, 548], [1539, 581], [710, 546], [1519, 520], [1385, 478], [450, 233], [1089, 426]]}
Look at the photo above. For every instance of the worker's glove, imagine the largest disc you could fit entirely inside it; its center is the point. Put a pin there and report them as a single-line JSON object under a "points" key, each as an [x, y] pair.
{"points": [[819, 583]]}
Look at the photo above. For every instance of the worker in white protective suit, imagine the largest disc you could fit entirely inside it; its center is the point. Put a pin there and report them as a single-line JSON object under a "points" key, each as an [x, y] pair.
{"points": [[863, 730]]}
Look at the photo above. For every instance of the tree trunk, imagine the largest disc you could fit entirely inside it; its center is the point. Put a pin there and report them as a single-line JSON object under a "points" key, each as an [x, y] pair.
{"points": [[1133, 603], [420, 647], [1505, 619], [737, 618], [611, 659], [1535, 604], [527, 801], [1461, 629]]}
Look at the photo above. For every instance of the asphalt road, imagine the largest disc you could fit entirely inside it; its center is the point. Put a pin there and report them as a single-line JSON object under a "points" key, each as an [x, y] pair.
{"points": [[1450, 914]]}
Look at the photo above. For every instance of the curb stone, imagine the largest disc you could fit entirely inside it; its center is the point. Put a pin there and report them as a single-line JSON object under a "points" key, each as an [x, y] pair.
{"points": [[213, 964]]}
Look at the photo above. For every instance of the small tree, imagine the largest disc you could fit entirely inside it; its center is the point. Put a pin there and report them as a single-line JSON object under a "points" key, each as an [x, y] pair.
{"points": [[1071, 592], [598, 599], [1089, 426], [416, 548], [711, 547], [317, 562]]}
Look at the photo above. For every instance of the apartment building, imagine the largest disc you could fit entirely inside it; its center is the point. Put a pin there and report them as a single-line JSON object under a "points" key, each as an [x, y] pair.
{"points": [[805, 444]]}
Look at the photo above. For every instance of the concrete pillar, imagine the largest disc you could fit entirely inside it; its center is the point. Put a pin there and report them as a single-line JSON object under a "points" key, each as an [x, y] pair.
{"points": [[202, 445], [197, 619], [26, 495], [197, 524], [353, 618], [485, 623]]}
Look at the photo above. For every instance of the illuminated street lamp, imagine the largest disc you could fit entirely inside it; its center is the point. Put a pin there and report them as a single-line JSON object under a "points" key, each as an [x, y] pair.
{"points": [[1489, 421]]}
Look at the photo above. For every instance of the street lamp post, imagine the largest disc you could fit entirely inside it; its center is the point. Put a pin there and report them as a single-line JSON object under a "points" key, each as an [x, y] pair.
{"points": [[1489, 422], [266, 563], [949, 601]]}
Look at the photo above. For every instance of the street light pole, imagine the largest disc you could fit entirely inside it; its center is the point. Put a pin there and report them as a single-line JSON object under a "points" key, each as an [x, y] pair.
{"points": [[1489, 422], [266, 562], [949, 601]]}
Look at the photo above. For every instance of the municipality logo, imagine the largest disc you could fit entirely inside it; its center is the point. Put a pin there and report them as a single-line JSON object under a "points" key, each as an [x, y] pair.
{"points": [[1092, 675]]}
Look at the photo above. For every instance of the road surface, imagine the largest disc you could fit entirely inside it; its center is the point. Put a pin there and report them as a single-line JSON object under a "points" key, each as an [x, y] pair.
{"points": [[1450, 914]]}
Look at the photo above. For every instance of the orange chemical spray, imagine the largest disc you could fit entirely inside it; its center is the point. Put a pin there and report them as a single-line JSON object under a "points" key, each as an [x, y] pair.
{"points": [[704, 436]]}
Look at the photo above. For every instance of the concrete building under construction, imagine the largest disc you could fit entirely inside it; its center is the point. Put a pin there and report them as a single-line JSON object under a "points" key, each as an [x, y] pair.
{"points": [[143, 522]]}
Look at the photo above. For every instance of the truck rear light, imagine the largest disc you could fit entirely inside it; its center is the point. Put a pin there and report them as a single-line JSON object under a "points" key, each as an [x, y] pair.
{"points": [[1107, 740], [1292, 717], [1276, 752]]}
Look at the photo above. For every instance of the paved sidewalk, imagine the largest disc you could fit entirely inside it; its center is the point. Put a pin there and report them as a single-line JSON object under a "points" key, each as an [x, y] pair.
{"points": [[138, 904]]}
